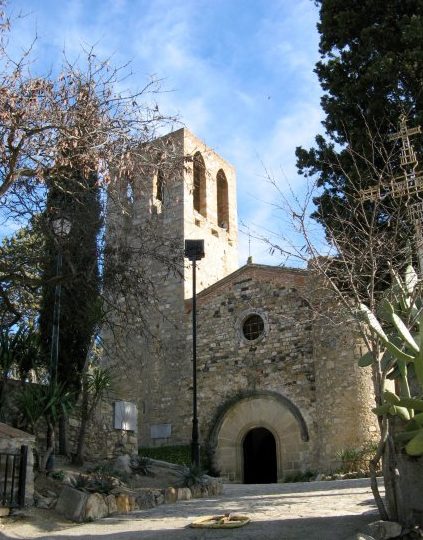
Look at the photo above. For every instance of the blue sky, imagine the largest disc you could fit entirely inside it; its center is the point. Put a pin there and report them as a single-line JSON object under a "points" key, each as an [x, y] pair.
{"points": [[238, 72]]}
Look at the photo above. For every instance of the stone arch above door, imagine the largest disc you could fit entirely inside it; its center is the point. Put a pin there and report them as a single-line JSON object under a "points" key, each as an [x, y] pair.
{"points": [[250, 410]]}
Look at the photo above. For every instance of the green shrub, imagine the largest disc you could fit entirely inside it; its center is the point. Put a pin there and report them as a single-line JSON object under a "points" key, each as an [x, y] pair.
{"points": [[58, 475], [81, 482], [299, 476], [141, 465], [102, 483], [356, 459], [94, 483]]}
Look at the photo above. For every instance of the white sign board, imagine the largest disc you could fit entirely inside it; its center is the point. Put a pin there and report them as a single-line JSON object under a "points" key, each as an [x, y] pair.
{"points": [[126, 415]]}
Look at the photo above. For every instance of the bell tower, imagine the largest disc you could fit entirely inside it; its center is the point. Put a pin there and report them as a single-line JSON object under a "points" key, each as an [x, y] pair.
{"points": [[209, 211], [184, 190]]}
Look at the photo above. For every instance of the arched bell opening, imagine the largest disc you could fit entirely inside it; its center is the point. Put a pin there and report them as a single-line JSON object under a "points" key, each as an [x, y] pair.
{"points": [[222, 201], [199, 185]]}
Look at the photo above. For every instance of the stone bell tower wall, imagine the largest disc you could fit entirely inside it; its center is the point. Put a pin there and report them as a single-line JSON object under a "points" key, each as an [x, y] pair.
{"points": [[220, 243], [146, 236], [153, 359]]}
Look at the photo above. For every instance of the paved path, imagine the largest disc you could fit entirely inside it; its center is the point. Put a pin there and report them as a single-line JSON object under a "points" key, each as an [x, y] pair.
{"points": [[310, 511]]}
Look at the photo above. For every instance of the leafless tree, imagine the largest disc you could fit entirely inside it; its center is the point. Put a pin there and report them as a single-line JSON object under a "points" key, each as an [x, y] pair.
{"points": [[79, 119], [356, 263], [82, 120]]}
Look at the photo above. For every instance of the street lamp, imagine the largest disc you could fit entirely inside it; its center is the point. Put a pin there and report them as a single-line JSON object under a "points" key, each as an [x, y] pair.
{"points": [[61, 227], [194, 251]]}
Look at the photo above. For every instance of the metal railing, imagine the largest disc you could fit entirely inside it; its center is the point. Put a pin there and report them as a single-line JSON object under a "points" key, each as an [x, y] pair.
{"points": [[13, 477]]}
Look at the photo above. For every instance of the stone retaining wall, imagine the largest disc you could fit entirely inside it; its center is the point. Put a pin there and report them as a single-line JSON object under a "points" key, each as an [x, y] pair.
{"points": [[81, 506]]}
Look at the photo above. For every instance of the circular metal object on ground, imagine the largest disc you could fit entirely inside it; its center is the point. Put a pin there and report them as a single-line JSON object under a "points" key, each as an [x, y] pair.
{"points": [[227, 521]]}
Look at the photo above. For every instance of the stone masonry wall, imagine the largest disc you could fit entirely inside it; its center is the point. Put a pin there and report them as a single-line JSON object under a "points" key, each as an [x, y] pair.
{"points": [[220, 245], [102, 440], [281, 362], [308, 357], [344, 391]]}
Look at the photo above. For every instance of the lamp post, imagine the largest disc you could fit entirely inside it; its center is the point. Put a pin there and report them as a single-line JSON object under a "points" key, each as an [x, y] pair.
{"points": [[61, 227], [194, 251]]}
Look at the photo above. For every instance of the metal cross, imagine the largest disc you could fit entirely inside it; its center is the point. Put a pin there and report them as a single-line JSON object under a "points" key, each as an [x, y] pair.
{"points": [[408, 184]]}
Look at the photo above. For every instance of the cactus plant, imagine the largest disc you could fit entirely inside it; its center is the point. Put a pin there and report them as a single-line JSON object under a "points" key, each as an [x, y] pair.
{"points": [[402, 349]]}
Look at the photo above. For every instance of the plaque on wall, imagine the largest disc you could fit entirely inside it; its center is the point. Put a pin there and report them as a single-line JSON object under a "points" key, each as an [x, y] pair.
{"points": [[160, 431], [125, 416]]}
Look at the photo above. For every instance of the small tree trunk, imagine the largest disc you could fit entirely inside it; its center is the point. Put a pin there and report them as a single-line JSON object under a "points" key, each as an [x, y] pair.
{"points": [[3, 384], [373, 466], [50, 445], [63, 442], [79, 456]]}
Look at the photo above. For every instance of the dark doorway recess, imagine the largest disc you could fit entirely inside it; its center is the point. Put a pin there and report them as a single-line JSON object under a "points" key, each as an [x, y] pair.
{"points": [[259, 449]]}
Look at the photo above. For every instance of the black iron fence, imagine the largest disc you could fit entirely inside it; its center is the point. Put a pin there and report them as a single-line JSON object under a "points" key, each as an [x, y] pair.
{"points": [[13, 477]]}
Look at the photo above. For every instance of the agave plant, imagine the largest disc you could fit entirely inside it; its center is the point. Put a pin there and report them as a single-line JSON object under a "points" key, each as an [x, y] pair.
{"points": [[191, 475], [403, 348]]}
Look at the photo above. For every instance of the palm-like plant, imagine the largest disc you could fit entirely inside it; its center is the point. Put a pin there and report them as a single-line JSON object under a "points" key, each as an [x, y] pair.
{"points": [[28, 355], [8, 350], [48, 402], [9, 342]]}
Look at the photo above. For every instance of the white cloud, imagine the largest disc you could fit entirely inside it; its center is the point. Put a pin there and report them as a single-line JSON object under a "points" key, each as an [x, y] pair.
{"points": [[296, 129], [246, 87], [271, 157]]}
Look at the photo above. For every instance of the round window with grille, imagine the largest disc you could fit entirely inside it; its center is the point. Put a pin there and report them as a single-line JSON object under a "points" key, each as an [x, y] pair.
{"points": [[253, 327]]}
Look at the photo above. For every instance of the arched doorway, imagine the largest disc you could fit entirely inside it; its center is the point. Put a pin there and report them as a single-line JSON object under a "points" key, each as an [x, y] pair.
{"points": [[253, 409], [259, 449]]}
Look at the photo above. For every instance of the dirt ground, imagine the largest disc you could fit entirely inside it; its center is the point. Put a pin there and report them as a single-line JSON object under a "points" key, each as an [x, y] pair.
{"points": [[315, 510]]}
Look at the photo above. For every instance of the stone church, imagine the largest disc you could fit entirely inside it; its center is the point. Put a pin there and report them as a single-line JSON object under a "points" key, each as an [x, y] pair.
{"points": [[279, 391]]}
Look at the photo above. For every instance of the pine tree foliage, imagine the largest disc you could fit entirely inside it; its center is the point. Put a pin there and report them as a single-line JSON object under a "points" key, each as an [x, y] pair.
{"points": [[20, 276], [371, 71]]}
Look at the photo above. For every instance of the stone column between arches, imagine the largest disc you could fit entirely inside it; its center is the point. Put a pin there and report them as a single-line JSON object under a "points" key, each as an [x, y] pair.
{"points": [[292, 452]]}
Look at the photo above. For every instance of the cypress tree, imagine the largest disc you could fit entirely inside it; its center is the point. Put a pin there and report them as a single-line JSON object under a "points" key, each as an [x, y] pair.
{"points": [[371, 71], [77, 198]]}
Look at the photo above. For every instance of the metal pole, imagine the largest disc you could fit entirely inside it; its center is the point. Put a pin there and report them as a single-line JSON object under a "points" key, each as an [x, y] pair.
{"points": [[22, 475], [195, 445], [54, 360], [54, 353]]}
